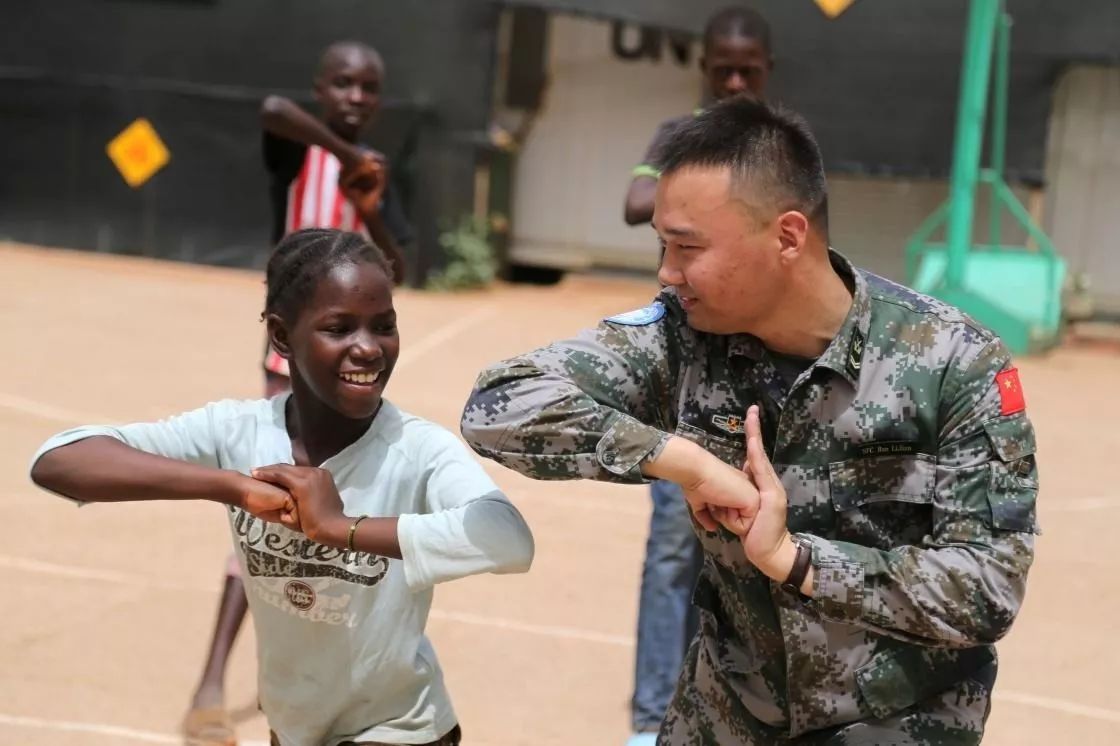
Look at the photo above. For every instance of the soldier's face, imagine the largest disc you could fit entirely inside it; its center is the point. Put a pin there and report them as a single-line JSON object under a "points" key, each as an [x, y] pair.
{"points": [[722, 254]]}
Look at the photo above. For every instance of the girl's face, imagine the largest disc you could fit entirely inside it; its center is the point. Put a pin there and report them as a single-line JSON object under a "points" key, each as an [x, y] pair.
{"points": [[344, 343]]}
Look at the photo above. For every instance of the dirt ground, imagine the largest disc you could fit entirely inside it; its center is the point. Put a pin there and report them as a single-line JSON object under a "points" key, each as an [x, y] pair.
{"points": [[109, 608]]}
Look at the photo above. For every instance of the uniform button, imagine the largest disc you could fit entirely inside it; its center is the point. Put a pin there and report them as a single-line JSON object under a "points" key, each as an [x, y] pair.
{"points": [[608, 458]]}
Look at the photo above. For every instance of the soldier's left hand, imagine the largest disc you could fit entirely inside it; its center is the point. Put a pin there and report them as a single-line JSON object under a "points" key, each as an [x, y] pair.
{"points": [[764, 533]]}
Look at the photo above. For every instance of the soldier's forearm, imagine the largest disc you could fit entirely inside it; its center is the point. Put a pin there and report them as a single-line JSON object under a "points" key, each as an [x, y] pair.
{"points": [[679, 461]]}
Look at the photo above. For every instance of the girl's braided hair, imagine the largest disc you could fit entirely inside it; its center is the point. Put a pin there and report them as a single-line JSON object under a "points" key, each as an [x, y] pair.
{"points": [[304, 257]]}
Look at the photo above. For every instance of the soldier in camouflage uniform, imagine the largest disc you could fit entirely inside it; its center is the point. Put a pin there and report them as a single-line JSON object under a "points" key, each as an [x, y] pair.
{"points": [[875, 542]]}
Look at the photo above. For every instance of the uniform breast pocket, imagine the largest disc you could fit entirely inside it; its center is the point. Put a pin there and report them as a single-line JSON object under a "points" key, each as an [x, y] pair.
{"points": [[729, 450], [884, 501]]}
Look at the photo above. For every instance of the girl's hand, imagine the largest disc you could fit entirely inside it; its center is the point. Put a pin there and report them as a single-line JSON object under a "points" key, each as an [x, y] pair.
{"points": [[267, 502], [318, 507]]}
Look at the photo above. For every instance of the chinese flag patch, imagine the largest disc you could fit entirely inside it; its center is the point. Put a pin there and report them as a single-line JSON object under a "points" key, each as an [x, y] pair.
{"points": [[1010, 392]]}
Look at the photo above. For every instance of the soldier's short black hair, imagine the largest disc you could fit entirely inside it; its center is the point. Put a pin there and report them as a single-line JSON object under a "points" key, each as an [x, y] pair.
{"points": [[769, 150], [737, 20]]}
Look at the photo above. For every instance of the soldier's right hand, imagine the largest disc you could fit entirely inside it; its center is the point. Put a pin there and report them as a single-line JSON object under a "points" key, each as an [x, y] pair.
{"points": [[721, 494]]}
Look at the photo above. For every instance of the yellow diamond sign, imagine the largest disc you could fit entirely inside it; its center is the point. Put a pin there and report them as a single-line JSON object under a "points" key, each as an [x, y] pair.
{"points": [[138, 153], [833, 8]]}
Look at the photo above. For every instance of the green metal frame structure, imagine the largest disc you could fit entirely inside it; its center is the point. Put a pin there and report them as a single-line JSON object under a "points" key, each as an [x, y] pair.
{"points": [[1013, 290]]}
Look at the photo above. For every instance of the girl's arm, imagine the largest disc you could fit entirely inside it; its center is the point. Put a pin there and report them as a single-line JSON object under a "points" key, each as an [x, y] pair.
{"points": [[468, 526], [103, 469], [320, 511], [174, 459]]}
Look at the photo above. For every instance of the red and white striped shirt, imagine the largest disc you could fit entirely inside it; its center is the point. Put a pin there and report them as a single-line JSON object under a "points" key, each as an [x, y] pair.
{"points": [[314, 199]]}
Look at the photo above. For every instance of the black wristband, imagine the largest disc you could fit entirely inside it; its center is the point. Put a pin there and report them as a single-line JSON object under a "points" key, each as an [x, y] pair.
{"points": [[802, 561]]}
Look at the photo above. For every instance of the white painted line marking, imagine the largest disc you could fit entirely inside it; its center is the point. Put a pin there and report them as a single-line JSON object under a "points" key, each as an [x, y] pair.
{"points": [[100, 729], [411, 354], [1083, 505], [49, 412], [1057, 705], [568, 633], [431, 341], [139, 581], [104, 576]]}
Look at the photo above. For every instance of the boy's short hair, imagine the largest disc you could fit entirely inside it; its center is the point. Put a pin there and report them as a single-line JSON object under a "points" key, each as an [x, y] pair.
{"points": [[737, 20], [326, 59]]}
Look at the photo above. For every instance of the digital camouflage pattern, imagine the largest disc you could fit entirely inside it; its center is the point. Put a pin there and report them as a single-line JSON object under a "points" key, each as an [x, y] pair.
{"points": [[915, 493]]}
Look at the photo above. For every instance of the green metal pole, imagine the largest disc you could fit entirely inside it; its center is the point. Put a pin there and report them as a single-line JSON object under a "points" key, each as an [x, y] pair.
{"points": [[999, 123], [975, 74]]}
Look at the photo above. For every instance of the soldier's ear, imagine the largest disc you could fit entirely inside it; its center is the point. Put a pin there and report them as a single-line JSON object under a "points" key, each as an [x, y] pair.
{"points": [[793, 233]]}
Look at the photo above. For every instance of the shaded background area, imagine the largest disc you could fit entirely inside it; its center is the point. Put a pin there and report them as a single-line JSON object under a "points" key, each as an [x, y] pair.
{"points": [[75, 73], [878, 84]]}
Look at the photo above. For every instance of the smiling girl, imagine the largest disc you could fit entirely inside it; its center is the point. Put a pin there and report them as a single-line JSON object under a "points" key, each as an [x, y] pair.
{"points": [[345, 511]]}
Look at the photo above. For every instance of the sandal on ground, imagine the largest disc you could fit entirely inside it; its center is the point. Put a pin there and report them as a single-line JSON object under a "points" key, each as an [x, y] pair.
{"points": [[209, 726]]}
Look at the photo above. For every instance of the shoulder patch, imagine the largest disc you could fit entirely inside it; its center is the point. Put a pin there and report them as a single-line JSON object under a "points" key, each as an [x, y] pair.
{"points": [[640, 317]]}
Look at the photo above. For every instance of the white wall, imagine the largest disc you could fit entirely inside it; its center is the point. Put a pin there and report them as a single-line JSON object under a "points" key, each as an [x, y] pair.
{"points": [[598, 117], [1083, 165]]}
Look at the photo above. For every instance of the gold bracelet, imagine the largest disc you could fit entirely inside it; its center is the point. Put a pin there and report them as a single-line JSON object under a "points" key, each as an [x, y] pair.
{"points": [[353, 528]]}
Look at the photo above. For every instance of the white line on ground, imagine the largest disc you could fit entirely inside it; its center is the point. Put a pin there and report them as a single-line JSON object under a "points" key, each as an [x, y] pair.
{"points": [[1083, 505], [85, 573], [50, 412], [139, 581], [115, 732], [411, 352], [1058, 705], [628, 506], [570, 633]]}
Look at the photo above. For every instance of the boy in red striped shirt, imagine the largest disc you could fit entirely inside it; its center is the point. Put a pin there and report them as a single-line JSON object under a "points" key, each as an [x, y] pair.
{"points": [[319, 177]]}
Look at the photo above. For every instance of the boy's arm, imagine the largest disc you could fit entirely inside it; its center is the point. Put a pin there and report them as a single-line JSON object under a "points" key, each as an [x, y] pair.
{"points": [[384, 240], [284, 118], [639, 200], [643, 185]]}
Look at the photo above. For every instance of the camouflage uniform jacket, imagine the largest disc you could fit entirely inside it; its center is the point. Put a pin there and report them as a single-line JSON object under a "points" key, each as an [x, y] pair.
{"points": [[906, 468]]}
